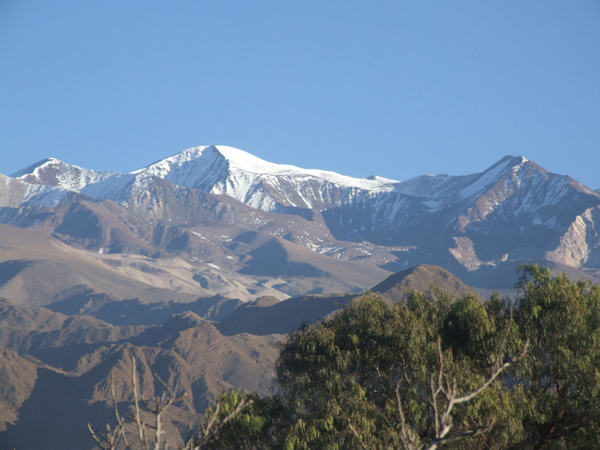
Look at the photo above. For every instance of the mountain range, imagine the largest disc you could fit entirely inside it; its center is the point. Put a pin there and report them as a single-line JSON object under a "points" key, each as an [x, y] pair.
{"points": [[245, 227], [200, 263]]}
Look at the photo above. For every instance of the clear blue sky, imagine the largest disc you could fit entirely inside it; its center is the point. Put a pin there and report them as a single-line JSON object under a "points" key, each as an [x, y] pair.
{"points": [[392, 88]]}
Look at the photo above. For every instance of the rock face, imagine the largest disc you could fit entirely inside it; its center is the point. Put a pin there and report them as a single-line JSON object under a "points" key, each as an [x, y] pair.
{"points": [[18, 376]]}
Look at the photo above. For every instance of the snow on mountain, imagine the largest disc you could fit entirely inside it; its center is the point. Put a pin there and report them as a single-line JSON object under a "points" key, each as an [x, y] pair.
{"points": [[271, 187], [52, 172], [276, 187], [513, 210], [267, 186], [117, 187], [456, 188], [380, 179], [15, 193], [48, 180], [190, 168], [415, 200], [351, 205], [261, 184], [39, 195], [489, 177]]}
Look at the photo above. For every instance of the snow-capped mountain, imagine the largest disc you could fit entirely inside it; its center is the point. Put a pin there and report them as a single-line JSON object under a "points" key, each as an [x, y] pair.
{"points": [[512, 190], [261, 184], [513, 211], [52, 172], [219, 170]]}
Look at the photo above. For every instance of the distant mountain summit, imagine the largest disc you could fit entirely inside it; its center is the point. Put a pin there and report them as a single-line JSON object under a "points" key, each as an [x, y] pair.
{"points": [[52, 172], [477, 226], [258, 183]]}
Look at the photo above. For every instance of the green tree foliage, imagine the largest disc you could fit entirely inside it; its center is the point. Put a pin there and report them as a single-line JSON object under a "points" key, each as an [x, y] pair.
{"points": [[260, 425], [354, 380], [377, 377], [561, 373]]}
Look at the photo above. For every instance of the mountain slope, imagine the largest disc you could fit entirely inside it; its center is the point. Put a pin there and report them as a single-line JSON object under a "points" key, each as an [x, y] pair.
{"points": [[94, 358], [35, 269], [15, 193], [263, 318]]}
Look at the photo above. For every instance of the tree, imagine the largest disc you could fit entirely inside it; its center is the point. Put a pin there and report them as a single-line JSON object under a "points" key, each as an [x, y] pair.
{"points": [[561, 375], [374, 377]]}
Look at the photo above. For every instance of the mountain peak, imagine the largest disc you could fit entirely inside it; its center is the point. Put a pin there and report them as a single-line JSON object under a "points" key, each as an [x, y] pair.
{"points": [[422, 278], [380, 179], [53, 172], [508, 161], [258, 183], [33, 167], [515, 159]]}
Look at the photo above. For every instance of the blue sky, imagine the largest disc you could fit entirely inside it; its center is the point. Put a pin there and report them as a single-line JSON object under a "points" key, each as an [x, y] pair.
{"points": [[392, 88]]}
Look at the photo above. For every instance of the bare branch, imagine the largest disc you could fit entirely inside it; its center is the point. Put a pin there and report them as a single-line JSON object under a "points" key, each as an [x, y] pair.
{"points": [[450, 392], [140, 424], [101, 440], [358, 438], [447, 386], [210, 433], [409, 437], [120, 420], [110, 440], [157, 408], [494, 375], [469, 433], [212, 420]]}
